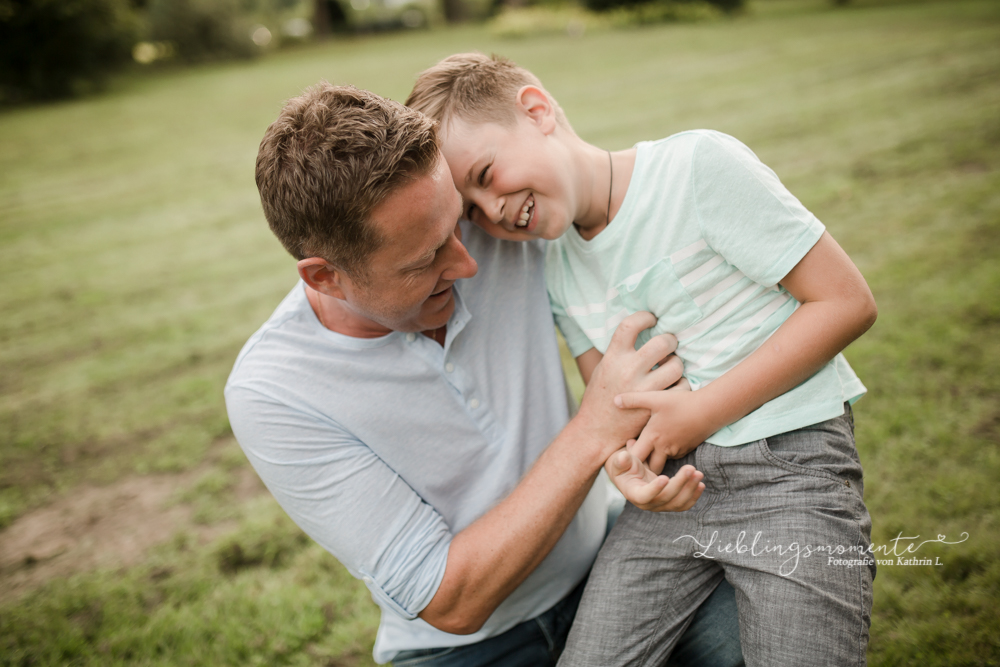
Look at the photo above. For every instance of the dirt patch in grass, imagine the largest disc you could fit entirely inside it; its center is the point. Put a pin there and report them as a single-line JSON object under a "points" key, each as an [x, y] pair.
{"points": [[110, 526]]}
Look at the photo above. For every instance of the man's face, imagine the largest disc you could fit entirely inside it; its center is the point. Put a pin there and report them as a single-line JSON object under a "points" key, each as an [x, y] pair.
{"points": [[410, 276]]}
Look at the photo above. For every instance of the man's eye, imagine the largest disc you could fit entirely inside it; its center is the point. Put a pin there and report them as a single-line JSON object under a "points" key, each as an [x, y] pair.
{"points": [[470, 213]]}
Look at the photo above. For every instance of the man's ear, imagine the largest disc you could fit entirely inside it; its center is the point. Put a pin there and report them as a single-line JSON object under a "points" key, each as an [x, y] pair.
{"points": [[535, 103], [323, 276]]}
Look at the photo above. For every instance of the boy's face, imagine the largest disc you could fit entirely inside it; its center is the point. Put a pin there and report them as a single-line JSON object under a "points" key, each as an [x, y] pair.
{"points": [[512, 181]]}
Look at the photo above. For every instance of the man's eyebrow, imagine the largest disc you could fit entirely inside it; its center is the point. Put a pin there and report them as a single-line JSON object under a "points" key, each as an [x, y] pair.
{"points": [[423, 259], [427, 256]]}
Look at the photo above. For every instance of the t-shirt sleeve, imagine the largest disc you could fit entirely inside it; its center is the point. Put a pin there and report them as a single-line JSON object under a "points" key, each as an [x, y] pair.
{"points": [[346, 498], [576, 340], [746, 214]]}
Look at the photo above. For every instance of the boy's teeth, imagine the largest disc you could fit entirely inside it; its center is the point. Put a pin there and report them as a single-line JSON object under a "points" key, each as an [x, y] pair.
{"points": [[522, 220]]}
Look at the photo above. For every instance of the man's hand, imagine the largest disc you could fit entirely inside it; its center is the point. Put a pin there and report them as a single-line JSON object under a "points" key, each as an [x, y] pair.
{"points": [[648, 491], [625, 369], [677, 424]]}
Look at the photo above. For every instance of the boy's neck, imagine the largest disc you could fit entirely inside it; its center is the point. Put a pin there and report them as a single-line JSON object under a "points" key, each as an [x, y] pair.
{"points": [[603, 180]]}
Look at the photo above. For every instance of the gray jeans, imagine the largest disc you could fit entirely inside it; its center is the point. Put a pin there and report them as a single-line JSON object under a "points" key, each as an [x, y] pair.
{"points": [[782, 519]]}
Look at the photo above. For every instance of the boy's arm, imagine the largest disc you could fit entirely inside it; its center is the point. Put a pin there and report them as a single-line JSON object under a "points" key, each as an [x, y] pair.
{"points": [[836, 308]]}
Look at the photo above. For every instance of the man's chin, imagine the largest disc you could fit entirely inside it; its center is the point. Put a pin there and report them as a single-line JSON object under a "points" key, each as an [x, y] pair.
{"points": [[439, 317]]}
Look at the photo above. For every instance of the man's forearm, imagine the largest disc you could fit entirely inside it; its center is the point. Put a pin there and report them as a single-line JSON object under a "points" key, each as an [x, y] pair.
{"points": [[494, 555]]}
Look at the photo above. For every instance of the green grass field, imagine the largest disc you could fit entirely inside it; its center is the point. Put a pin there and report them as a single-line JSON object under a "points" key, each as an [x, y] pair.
{"points": [[135, 261]]}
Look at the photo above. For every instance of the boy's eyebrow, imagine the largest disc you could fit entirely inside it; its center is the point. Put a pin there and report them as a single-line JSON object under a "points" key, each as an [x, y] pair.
{"points": [[472, 170]]}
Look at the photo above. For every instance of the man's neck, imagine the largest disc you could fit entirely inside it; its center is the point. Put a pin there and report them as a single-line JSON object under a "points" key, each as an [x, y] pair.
{"points": [[336, 316]]}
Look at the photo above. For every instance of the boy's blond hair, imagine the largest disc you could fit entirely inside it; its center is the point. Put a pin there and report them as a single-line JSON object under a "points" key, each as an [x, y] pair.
{"points": [[475, 88]]}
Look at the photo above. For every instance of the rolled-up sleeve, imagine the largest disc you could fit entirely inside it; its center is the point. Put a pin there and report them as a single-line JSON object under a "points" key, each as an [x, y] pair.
{"points": [[345, 498]]}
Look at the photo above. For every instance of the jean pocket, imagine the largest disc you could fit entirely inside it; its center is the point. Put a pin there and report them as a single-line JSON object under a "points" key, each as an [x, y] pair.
{"points": [[425, 657], [825, 450]]}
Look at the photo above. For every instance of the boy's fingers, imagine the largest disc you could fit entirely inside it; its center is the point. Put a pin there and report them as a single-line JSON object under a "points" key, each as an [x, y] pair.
{"points": [[642, 448], [642, 495], [682, 478], [690, 491], [619, 463], [657, 461], [636, 399], [686, 499]]}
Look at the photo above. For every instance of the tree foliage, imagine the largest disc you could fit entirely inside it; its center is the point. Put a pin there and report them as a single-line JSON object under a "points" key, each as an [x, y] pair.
{"points": [[201, 30], [607, 5], [55, 48]]}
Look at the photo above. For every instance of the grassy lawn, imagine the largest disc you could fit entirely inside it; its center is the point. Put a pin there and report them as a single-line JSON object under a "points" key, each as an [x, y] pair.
{"points": [[134, 262]]}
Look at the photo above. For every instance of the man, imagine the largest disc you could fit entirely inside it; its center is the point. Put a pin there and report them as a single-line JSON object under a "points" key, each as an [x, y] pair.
{"points": [[405, 403]]}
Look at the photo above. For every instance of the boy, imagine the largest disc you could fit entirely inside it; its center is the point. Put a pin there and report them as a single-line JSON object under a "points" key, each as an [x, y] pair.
{"points": [[695, 229]]}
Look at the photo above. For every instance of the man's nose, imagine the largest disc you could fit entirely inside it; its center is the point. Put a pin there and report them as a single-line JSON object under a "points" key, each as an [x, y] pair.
{"points": [[461, 265]]}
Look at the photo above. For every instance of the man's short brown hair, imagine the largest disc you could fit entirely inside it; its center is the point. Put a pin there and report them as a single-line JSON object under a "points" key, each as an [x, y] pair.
{"points": [[333, 155], [473, 87]]}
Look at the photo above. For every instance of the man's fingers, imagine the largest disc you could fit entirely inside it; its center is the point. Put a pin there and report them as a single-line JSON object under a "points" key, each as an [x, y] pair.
{"points": [[681, 385], [666, 374], [657, 348], [629, 329]]}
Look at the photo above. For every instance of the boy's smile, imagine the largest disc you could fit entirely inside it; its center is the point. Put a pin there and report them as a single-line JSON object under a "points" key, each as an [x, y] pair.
{"points": [[510, 178], [533, 178]]}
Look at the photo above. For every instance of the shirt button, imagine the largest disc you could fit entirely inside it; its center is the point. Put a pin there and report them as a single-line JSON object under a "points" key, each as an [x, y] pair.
{"points": [[449, 367], [410, 337], [474, 403], [367, 580]]}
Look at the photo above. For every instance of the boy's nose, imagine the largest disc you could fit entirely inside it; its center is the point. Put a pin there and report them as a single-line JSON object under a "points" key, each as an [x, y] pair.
{"points": [[494, 209]]}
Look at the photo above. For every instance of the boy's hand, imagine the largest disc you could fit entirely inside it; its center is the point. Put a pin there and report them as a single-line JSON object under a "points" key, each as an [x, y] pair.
{"points": [[676, 424], [625, 369], [651, 492]]}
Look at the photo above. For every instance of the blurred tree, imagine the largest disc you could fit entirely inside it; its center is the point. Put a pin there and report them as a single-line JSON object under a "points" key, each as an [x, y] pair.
{"points": [[201, 30], [56, 48], [605, 5], [328, 17]]}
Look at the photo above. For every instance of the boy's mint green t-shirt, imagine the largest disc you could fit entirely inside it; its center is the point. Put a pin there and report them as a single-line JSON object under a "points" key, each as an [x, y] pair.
{"points": [[703, 236]]}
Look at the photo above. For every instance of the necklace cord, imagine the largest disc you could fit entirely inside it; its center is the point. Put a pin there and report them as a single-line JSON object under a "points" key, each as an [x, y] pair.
{"points": [[611, 182]]}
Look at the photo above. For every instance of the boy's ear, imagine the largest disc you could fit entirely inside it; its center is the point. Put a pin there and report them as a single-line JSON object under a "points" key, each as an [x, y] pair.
{"points": [[536, 105], [323, 277]]}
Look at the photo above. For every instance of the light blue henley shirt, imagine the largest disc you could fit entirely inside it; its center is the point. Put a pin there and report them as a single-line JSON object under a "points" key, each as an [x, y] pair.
{"points": [[383, 449]]}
